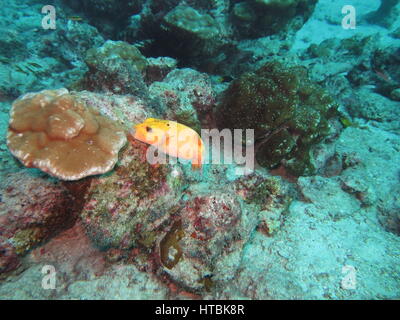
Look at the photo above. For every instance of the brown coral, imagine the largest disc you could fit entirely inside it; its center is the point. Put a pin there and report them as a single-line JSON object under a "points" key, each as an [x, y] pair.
{"points": [[53, 131]]}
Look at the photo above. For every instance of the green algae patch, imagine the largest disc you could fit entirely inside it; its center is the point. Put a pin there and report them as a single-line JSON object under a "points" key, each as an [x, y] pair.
{"points": [[288, 112], [26, 239], [262, 190], [170, 250]]}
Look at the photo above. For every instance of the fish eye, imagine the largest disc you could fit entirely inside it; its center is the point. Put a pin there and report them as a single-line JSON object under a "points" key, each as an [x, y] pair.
{"points": [[148, 129]]}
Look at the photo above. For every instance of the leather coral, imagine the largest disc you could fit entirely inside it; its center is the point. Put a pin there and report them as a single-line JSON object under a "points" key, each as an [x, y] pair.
{"points": [[54, 131]]}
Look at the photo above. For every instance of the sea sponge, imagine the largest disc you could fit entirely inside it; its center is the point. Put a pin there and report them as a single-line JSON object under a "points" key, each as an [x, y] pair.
{"points": [[53, 131], [288, 112]]}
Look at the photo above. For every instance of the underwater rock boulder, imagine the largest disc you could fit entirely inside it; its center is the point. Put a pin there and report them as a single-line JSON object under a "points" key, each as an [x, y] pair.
{"points": [[289, 114], [211, 230], [389, 214], [188, 96], [244, 12], [202, 249], [32, 210], [72, 42], [189, 235], [116, 67], [72, 254], [269, 196], [376, 109], [124, 209], [190, 20], [380, 68], [386, 15], [371, 172], [116, 49], [257, 18], [190, 33], [9, 259], [158, 68], [362, 74], [126, 110]]}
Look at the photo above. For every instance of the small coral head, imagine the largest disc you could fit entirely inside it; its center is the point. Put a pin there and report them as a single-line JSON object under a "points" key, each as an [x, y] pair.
{"points": [[53, 131]]}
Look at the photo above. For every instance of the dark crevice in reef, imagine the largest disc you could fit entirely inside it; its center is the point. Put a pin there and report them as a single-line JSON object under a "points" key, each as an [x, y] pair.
{"points": [[109, 17], [192, 32]]}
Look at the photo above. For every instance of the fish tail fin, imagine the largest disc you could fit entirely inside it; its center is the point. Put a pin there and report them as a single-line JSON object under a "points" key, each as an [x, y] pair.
{"points": [[196, 166], [197, 163]]}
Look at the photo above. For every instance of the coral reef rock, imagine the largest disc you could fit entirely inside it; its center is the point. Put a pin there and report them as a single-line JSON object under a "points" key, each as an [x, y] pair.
{"points": [[32, 209], [203, 247], [125, 207], [116, 67], [257, 18], [188, 97]]}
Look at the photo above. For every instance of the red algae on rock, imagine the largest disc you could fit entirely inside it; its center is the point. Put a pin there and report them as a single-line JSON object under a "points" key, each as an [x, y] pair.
{"points": [[72, 254], [32, 210], [125, 208], [210, 231]]}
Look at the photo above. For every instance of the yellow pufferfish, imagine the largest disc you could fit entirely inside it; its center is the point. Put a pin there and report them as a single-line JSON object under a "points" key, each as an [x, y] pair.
{"points": [[172, 138]]}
